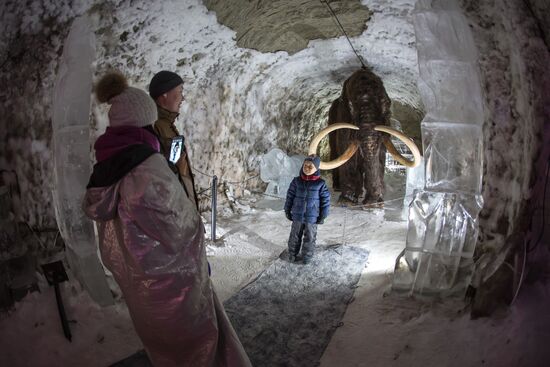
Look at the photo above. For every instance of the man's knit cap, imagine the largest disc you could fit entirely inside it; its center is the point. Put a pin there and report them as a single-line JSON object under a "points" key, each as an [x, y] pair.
{"points": [[162, 82]]}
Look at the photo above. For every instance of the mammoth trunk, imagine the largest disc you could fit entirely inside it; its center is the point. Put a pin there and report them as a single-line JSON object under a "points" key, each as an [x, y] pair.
{"points": [[364, 173]]}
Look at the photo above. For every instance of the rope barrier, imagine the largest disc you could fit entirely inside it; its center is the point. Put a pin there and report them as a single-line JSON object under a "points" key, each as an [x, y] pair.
{"points": [[203, 191], [238, 183], [44, 247], [363, 206], [344, 227], [202, 173], [346, 208], [374, 205], [42, 244], [241, 182], [264, 194]]}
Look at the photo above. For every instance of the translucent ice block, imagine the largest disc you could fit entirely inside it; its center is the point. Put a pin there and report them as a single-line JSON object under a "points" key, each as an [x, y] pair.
{"points": [[277, 168], [444, 223], [415, 181], [444, 35], [71, 145], [433, 274], [441, 239], [442, 232], [451, 91], [454, 157]]}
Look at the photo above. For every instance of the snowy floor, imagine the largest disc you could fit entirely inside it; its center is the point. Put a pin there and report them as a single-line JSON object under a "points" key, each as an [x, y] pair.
{"points": [[379, 329]]}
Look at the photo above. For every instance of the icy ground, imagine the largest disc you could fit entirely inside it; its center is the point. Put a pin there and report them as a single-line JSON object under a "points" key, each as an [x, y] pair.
{"points": [[379, 329]]}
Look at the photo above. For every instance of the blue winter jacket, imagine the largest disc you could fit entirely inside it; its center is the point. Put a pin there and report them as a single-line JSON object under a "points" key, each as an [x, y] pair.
{"points": [[307, 201]]}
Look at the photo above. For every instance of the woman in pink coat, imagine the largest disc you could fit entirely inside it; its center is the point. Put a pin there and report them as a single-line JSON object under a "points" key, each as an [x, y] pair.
{"points": [[151, 238]]}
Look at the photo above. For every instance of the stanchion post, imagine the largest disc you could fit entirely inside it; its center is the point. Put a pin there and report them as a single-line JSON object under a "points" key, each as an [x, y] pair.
{"points": [[213, 206]]}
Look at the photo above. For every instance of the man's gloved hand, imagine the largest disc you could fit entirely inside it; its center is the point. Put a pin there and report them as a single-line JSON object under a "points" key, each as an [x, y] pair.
{"points": [[320, 220], [288, 216]]}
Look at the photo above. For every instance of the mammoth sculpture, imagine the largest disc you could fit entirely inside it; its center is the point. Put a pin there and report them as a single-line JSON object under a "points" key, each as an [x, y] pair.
{"points": [[358, 117]]}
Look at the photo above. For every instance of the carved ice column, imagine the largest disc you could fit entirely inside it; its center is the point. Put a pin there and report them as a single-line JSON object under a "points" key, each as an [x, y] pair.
{"points": [[72, 168], [443, 216]]}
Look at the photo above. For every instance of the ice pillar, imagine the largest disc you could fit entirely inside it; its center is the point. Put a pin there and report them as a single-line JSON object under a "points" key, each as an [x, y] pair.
{"points": [[443, 215], [71, 134]]}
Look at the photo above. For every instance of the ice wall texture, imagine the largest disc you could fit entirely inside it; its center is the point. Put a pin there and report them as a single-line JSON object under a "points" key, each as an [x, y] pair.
{"points": [[71, 153], [443, 216], [514, 59], [31, 36], [541, 11]]}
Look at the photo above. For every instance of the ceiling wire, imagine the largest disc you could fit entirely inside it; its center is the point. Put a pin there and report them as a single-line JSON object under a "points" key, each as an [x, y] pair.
{"points": [[345, 34]]}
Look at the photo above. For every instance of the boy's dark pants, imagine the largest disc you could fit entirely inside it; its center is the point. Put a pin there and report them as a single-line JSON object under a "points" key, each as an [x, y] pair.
{"points": [[302, 235]]}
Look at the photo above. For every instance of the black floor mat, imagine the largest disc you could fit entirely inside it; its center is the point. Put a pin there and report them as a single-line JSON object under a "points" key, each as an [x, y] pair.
{"points": [[287, 315]]}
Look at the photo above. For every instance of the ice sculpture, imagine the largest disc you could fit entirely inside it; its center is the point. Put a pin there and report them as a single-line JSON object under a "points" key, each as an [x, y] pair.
{"points": [[72, 168], [278, 169], [415, 181], [443, 216]]}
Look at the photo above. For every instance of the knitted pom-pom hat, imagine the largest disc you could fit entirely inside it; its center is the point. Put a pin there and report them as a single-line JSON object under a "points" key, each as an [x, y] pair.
{"points": [[129, 106]]}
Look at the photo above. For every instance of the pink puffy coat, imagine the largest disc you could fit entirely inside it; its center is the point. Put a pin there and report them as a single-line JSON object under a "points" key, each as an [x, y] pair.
{"points": [[152, 239]]}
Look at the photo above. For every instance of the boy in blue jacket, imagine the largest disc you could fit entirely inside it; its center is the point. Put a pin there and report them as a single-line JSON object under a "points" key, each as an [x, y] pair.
{"points": [[307, 204]]}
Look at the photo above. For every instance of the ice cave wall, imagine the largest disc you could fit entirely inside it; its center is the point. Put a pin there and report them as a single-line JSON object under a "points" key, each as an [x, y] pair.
{"points": [[513, 60], [30, 45], [540, 9], [241, 103]]}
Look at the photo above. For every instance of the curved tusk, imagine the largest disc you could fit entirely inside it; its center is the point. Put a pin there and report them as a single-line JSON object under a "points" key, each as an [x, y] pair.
{"points": [[406, 140], [350, 151]]}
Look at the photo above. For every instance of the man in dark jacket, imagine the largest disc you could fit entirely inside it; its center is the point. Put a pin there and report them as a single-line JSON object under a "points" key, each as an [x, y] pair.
{"points": [[166, 89], [307, 204]]}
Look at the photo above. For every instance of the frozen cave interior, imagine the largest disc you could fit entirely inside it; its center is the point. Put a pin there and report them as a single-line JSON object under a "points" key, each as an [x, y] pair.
{"points": [[259, 79], [438, 258]]}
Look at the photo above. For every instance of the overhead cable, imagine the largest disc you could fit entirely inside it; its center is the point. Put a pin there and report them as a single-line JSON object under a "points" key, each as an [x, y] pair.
{"points": [[344, 31]]}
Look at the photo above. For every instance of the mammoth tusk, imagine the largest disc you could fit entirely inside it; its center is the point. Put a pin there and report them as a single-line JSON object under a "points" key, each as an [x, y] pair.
{"points": [[406, 140], [350, 151]]}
